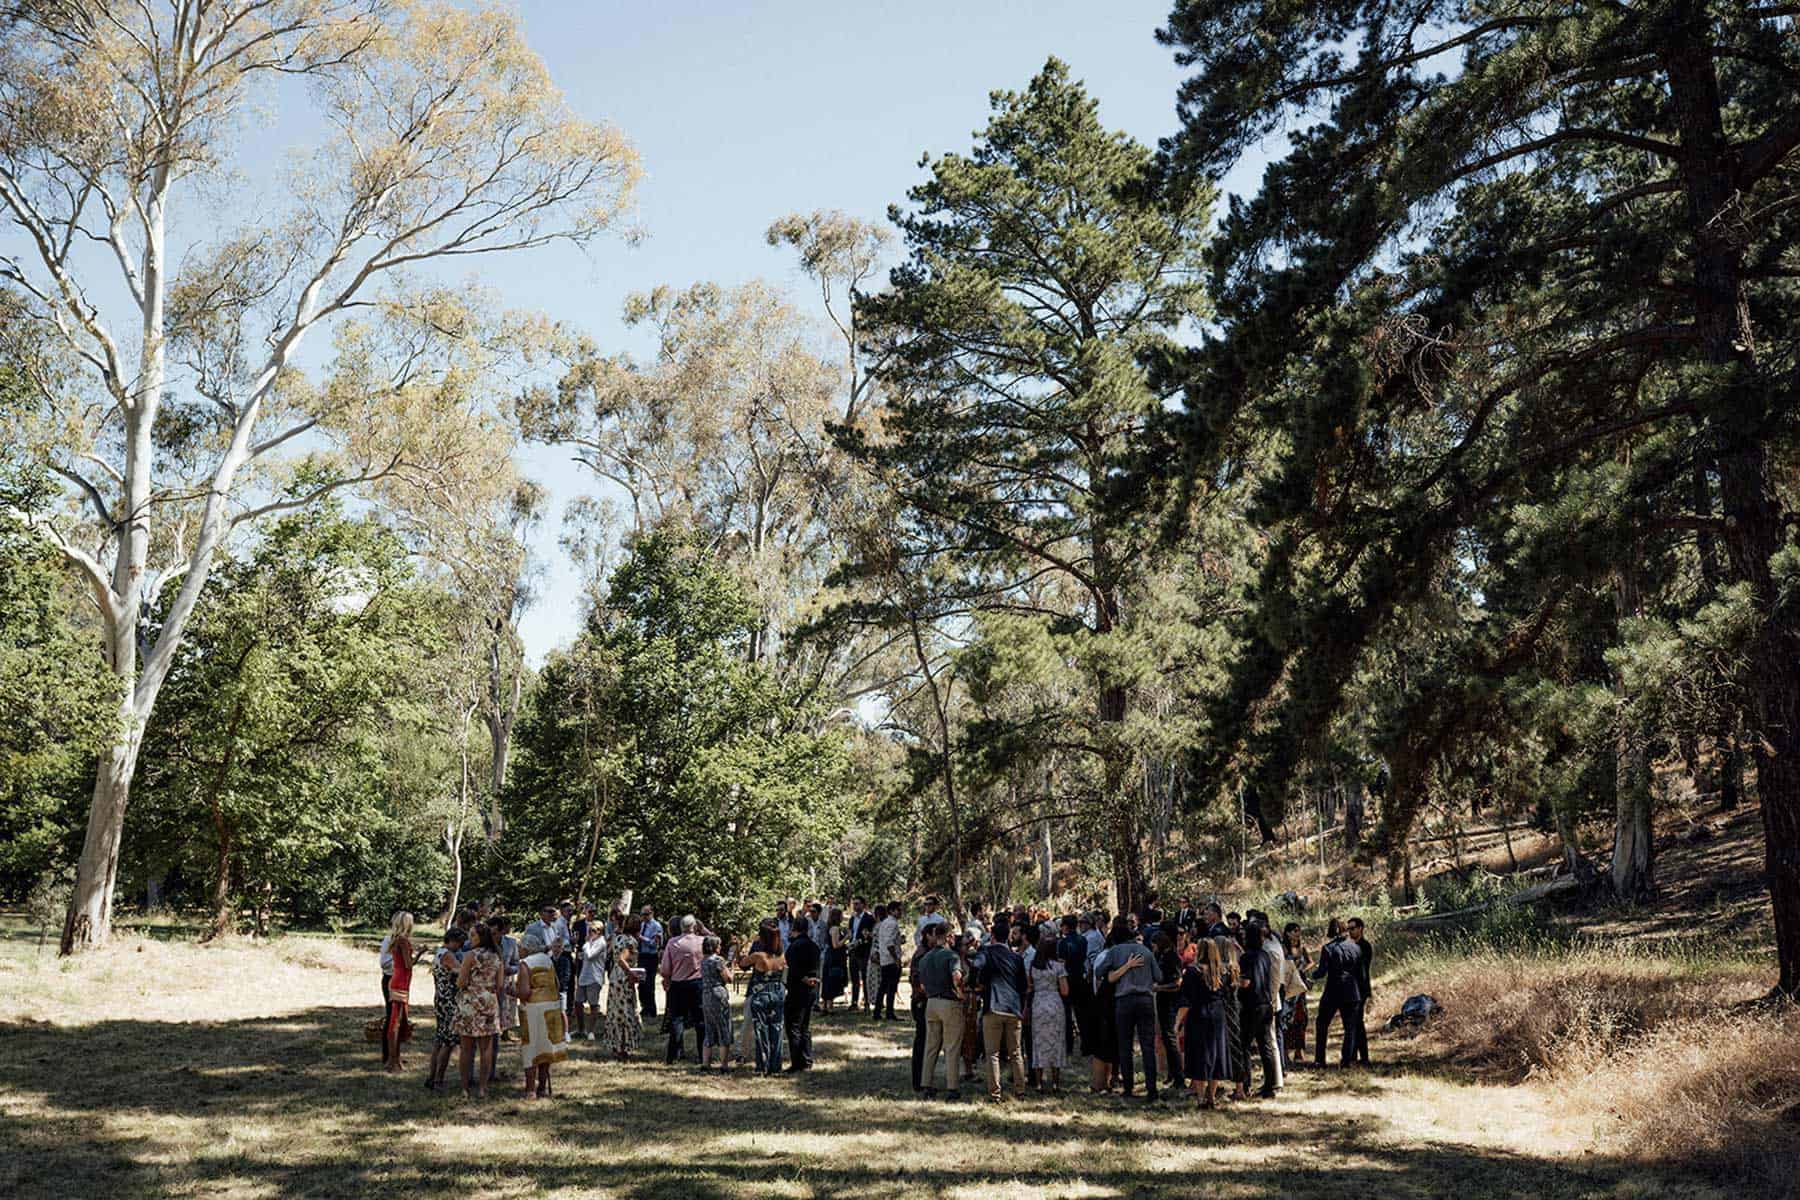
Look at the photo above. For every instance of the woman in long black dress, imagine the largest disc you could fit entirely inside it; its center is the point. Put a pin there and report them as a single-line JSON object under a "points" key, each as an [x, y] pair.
{"points": [[836, 976], [1200, 1013], [1105, 1054], [1167, 993], [1231, 964]]}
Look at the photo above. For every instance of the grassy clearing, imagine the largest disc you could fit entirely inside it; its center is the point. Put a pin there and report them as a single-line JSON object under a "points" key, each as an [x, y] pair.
{"points": [[168, 1069]]}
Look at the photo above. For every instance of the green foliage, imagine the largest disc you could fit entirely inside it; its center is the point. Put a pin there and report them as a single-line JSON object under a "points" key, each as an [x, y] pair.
{"points": [[268, 758], [655, 746], [61, 704], [1527, 403]]}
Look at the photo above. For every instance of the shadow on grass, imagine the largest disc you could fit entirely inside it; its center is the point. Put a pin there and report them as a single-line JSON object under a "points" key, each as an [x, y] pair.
{"points": [[296, 1106]]}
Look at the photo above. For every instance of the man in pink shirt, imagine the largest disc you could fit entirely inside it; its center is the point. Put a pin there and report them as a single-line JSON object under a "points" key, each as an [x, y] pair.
{"points": [[680, 969]]}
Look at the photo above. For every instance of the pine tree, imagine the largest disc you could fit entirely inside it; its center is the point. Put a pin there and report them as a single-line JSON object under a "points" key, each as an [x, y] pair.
{"points": [[1531, 258], [1045, 268]]}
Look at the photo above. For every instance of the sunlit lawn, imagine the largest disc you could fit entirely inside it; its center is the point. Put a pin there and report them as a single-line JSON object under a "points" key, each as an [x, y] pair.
{"points": [[165, 1069]]}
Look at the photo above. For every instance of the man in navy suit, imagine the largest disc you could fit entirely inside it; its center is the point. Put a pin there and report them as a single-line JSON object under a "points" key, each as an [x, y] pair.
{"points": [[1340, 966], [862, 938]]}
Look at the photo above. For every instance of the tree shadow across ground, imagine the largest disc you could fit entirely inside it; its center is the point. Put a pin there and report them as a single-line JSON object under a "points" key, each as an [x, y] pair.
{"points": [[296, 1106]]}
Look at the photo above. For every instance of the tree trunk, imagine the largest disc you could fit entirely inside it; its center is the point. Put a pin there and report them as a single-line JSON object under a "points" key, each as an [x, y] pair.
{"points": [[1634, 859], [594, 842], [453, 831], [1634, 848], [1754, 525], [1353, 818], [501, 713], [222, 911], [453, 844], [943, 722], [1125, 833], [222, 921], [1574, 861], [89, 919], [1730, 752]]}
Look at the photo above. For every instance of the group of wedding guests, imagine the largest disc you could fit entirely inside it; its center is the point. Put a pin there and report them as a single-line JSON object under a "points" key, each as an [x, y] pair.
{"points": [[487, 986], [1208, 999], [571, 975], [1212, 1001]]}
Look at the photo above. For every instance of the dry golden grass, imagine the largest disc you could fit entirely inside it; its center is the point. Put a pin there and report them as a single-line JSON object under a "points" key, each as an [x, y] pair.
{"points": [[1568, 1010], [172, 1070], [149, 979], [1723, 1090], [1673, 1060]]}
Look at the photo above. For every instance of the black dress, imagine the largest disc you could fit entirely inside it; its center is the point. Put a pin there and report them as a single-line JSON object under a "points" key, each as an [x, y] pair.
{"points": [[1208, 1053], [1106, 1023], [836, 976]]}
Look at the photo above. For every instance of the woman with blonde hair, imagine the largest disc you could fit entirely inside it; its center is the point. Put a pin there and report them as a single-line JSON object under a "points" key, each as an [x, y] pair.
{"points": [[1200, 1015], [1231, 968], [395, 1027]]}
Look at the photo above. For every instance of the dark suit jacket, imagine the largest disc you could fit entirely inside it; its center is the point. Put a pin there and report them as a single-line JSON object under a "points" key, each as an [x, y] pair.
{"points": [[1340, 966], [1255, 966], [1364, 962], [802, 962]]}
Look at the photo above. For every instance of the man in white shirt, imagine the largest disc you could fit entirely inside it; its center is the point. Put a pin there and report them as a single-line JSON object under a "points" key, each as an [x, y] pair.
{"points": [[932, 917], [977, 923], [592, 979], [544, 928], [887, 954]]}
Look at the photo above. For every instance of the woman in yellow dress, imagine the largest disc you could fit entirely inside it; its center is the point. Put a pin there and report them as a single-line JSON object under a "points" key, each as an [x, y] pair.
{"points": [[543, 1037]]}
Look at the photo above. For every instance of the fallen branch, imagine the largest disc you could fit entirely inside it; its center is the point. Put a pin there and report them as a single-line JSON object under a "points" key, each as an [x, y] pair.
{"points": [[1530, 895]]}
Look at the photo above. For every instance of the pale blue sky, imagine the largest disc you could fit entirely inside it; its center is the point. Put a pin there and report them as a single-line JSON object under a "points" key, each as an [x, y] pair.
{"points": [[748, 109]]}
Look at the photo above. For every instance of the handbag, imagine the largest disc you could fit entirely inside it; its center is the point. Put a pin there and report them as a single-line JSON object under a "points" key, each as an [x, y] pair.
{"points": [[376, 1030]]}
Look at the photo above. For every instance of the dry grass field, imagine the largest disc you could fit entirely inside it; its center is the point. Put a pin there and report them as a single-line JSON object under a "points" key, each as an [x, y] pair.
{"points": [[165, 1069]]}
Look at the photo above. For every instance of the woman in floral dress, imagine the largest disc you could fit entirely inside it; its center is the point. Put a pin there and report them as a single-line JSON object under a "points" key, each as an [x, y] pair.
{"points": [[624, 1025], [1049, 984], [715, 1005], [478, 1008], [444, 968]]}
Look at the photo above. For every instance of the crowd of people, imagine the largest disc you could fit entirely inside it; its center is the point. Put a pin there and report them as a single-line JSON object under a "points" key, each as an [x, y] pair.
{"points": [[1211, 1001]]}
